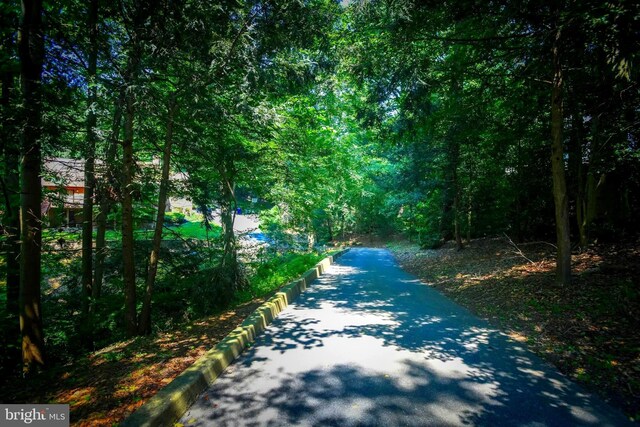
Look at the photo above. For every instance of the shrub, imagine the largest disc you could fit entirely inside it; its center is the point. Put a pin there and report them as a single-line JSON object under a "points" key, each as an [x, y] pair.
{"points": [[174, 218]]}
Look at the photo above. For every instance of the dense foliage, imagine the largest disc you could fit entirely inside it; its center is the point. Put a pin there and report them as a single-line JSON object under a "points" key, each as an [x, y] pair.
{"points": [[463, 91], [437, 120]]}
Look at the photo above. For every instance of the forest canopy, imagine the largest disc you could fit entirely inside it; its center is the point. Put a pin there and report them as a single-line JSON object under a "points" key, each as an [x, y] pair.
{"points": [[437, 121]]}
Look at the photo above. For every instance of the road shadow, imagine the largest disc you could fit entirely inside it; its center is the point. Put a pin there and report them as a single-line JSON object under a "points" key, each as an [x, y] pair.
{"points": [[425, 361]]}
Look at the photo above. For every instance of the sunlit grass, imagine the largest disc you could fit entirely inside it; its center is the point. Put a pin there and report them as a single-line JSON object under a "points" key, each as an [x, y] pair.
{"points": [[195, 230], [192, 229], [277, 272]]}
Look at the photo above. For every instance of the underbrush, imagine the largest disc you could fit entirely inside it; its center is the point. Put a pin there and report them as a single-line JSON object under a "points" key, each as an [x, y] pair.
{"points": [[104, 385], [275, 272]]}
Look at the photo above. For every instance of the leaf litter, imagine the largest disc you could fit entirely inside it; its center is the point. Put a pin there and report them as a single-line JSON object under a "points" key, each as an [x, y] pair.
{"points": [[588, 330]]}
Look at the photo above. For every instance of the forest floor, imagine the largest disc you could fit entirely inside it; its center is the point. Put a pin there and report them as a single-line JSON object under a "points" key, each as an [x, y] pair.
{"points": [[105, 387], [588, 330]]}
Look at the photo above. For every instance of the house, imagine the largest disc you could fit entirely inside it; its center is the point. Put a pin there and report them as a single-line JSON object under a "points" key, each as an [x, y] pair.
{"points": [[63, 186], [180, 204]]}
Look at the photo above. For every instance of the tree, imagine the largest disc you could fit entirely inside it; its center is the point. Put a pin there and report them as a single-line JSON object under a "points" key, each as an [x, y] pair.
{"points": [[141, 12], [89, 169], [31, 53], [154, 256], [563, 260], [511, 51], [10, 182]]}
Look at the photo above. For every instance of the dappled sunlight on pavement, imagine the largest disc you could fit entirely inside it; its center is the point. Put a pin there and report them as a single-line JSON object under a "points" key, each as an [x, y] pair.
{"points": [[368, 344]]}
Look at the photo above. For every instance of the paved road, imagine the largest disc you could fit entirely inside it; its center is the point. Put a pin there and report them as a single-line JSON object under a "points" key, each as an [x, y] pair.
{"points": [[244, 223], [247, 229], [368, 345]]}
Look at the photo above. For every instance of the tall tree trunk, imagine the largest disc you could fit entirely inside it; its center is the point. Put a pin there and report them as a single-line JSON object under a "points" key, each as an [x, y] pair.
{"points": [[330, 228], [230, 273], [128, 260], [563, 261], [580, 214], [128, 170], [31, 53], [456, 211], [101, 247], [108, 182], [451, 193], [154, 257], [89, 177], [140, 15], [593, 190], [445, 218], [454, 160], [311, 238], [469, 217], [592, 184], [576, 172], [227, 217], [11, 190], [519, 232], [11, 215]]}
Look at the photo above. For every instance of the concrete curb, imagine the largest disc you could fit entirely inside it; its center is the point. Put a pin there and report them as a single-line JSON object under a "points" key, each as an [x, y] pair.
{"points": [[171, 402]]}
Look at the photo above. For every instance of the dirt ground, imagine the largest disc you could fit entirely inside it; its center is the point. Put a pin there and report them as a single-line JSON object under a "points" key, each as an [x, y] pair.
{"points": [[589, 330]]}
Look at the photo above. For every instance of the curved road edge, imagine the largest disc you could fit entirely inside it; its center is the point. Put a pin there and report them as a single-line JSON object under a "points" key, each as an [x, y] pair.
{"points": [[170, 403]]}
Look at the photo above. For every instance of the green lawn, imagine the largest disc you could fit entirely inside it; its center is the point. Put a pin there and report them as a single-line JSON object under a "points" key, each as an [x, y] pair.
{"points": [[192, 229]]}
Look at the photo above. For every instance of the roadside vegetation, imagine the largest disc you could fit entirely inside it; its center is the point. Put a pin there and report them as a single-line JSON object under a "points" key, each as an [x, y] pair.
{"points": [[136, 134], [177, 226], [105, 386]]}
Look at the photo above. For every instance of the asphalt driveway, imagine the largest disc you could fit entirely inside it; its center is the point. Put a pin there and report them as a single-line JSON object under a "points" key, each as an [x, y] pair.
{"points": [[369, 345]]}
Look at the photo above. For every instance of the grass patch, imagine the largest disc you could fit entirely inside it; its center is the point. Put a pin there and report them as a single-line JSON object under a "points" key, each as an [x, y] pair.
{"points": [[193, 228], [277, 272]]}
